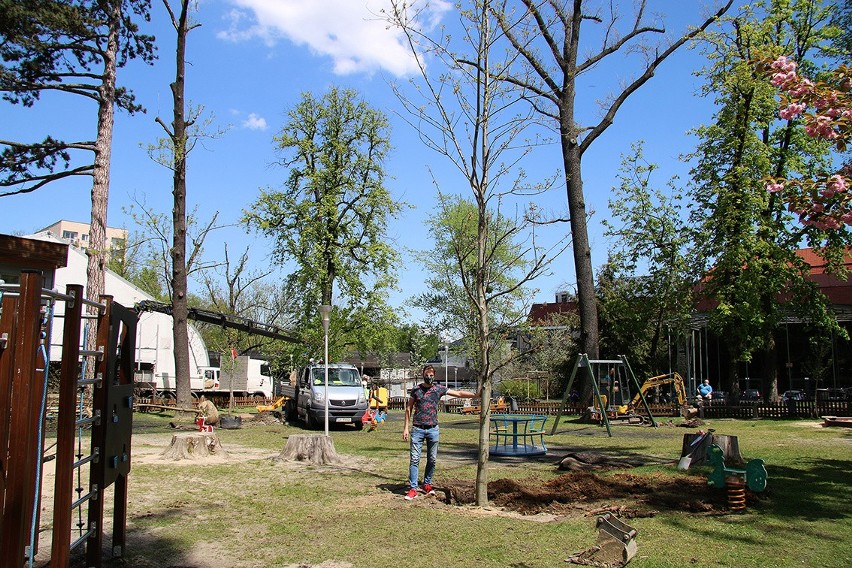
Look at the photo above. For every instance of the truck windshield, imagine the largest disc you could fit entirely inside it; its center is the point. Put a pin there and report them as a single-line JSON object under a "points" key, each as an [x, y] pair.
{"points": [[337, 377]]}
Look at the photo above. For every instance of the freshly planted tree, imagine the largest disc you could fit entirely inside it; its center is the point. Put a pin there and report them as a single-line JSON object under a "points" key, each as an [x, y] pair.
{"points": [[465, 113], [331, 217]]}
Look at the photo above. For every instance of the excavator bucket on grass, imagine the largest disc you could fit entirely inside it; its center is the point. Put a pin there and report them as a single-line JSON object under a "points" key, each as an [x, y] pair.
{"points": [[616, 544]]}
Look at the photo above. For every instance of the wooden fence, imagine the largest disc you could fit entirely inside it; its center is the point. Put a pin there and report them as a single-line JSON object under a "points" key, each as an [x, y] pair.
{"points": [[221, 402], [743, 410]]}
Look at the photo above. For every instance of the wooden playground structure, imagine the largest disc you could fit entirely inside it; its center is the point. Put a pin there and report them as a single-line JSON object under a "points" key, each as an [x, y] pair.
{"points": [[94, 421]]}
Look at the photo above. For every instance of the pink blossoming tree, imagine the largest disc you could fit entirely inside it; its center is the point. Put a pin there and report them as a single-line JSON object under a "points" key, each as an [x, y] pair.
{"points": [[825, 109]]}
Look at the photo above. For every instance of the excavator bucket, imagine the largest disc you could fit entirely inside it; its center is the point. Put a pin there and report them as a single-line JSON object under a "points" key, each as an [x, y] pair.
{"points": [[616, 539], [616, 544]]}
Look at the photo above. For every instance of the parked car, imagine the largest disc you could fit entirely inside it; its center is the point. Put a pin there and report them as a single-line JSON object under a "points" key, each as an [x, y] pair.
{"points": [[719, 396], [751, 394], [792, 395], [830, 394]]}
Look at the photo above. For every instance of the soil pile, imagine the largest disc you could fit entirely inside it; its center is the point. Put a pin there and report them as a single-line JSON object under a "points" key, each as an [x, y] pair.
{"points": [[627, 494]]}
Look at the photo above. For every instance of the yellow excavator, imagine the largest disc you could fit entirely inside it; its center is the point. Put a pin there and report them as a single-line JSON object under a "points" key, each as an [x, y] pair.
{"points": [[627, 412], [668, 379]]}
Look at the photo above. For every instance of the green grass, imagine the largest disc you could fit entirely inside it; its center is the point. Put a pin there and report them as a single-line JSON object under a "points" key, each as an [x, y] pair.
{"points": [[261, 513]]}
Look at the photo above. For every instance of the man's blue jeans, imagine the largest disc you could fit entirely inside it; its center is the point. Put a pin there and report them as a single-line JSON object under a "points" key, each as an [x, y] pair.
{"points": [[417, 437]]}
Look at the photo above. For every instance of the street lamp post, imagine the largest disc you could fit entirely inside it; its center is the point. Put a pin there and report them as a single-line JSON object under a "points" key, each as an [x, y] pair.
{"points": [[325, 311], [447, 366]]}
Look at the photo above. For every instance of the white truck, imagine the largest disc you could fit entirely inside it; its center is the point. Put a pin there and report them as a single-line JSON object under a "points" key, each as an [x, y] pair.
{"points": [[247, 377], [244, 375], [347, 401]]}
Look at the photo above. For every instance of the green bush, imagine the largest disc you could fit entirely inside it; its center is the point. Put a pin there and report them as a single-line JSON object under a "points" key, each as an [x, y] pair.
{"points": [[520, 389]]}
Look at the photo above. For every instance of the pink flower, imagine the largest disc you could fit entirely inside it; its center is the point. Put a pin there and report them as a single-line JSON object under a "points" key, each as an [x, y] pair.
{"points": [[847, 218], [781, 79], [774, 187], [836, 183], [792, 111], [783, 64], [800, 89], [817, 208]]}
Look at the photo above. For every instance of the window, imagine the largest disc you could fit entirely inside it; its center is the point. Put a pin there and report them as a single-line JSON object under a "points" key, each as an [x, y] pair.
{"points": [[84, 237], [70, 235]]}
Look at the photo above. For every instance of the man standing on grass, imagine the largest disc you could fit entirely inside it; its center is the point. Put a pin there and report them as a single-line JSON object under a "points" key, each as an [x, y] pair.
{"points": [[422, 413]]}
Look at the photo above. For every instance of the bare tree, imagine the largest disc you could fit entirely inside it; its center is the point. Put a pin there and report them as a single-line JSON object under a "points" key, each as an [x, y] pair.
{"points": [[467, 115], [181, 137], [546, 35], [234, 289]]}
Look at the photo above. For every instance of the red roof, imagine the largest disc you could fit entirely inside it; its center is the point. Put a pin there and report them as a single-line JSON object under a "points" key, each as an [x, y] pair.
{"points": [[542, 313], [838, 292]]}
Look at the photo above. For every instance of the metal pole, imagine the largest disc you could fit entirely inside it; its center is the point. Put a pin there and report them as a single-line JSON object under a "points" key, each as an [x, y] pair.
{"points": [[447, 366], [325, 310]]}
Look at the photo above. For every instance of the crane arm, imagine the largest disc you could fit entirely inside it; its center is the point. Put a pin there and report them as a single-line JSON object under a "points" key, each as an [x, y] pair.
{"points": [[225, 320]]}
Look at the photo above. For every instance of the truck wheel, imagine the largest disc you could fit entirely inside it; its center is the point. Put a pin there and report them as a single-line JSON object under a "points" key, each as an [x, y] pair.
{"points": [[290, 413], [359, 425], [311, 421]]}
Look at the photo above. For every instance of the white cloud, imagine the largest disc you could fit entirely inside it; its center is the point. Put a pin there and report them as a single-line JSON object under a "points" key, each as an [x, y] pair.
{"points": [[255, 122], [351, 32]]}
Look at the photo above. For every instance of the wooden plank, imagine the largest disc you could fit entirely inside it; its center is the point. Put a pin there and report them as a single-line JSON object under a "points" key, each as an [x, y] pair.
{"points": [[25, 444]]}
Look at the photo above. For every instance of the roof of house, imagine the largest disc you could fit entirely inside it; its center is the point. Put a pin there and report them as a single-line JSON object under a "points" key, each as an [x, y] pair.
{"points": [[543, 313], [838, 291]]}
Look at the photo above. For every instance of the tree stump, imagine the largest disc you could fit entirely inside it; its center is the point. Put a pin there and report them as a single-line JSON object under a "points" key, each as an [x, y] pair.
{"points": [[194, 446], [729, 445], [314, 448]]}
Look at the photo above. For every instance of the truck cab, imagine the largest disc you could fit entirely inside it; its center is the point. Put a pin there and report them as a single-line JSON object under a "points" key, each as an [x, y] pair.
{"points": [[347, 401]]}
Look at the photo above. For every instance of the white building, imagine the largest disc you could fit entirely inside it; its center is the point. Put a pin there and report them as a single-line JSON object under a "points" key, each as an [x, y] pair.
{"points": [[154, 333], [77, 234]]}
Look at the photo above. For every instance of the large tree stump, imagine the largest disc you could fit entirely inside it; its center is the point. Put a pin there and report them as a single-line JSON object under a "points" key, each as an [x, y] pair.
{"points": [[314, 448], [729, 445], [194, 446]]}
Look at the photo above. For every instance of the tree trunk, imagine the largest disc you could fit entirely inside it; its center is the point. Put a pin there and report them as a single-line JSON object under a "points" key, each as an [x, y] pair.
{"points": [[314, 448], [588, 308], [178, 252], [97, 248], [771, 367], [194, 446]]}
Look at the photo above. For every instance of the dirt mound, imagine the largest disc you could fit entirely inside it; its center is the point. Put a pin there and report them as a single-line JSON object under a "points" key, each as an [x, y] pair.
{"points": [[630, 495]]}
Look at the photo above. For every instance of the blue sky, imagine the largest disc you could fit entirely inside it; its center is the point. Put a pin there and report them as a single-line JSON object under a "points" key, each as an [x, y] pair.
{"points": [[248, 64]]}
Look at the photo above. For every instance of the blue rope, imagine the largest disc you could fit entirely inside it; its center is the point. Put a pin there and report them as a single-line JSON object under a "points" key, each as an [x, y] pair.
{"points": [[48, 316]]}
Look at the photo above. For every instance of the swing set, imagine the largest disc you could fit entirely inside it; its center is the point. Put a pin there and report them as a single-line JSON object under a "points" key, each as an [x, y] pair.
{"points": [[610, 380]]}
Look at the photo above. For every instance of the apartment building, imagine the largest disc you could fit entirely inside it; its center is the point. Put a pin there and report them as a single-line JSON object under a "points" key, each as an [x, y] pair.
{"points": [[77, 235]]}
